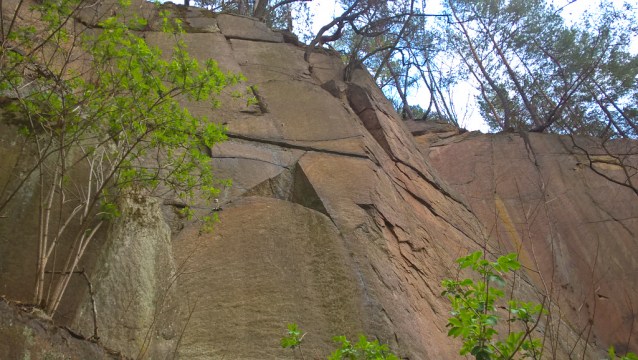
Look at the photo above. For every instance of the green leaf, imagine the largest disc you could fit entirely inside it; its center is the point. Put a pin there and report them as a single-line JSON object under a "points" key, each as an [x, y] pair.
{"points": [[477, 255], [491, 320], [466, 282], [497, 278], [514, 265], [455, 331]]}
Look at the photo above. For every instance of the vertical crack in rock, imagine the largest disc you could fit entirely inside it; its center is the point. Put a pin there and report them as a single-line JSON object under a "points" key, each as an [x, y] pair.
{"points": [[530, 150], [365, 110]]}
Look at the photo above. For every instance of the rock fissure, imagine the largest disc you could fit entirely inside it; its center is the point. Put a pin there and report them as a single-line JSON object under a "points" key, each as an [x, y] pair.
{"points": [[437, 186], [244, 158], [286, 144]]}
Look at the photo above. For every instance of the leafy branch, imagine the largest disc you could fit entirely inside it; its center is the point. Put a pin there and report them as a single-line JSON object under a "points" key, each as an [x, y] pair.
{"points": [[474, 312]]}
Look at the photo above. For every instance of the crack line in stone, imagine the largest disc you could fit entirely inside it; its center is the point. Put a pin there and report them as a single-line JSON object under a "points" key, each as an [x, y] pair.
{"points": [[285, 144]]}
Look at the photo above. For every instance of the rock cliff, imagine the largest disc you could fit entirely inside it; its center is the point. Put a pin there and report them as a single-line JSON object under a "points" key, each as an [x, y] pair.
{"points": [[338, 220], [538, 193]]}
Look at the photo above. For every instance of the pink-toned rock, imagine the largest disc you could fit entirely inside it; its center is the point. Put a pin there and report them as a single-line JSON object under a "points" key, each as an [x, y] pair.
{"points": [[338, 220], [538, 194]]}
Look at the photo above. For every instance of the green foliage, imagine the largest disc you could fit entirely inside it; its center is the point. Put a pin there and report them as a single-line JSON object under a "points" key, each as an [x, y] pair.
{"points": [[103, 110], [294, 337], [629, 356], [128, 107], [362, 350], [475, 316], [534, 71]]}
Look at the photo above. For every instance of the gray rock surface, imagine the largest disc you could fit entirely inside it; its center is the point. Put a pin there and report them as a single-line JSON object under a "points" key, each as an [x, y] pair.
{"points": [[134, 285], [26, 335]]}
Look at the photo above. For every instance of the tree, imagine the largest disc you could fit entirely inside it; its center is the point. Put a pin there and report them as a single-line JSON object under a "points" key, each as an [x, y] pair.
{"points": [[102, 114], [474, 314], [389, 38], [535, 73]]}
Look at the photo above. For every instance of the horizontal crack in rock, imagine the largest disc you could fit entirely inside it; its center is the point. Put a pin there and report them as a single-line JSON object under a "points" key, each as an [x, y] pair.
{"points": [[286, 144]]}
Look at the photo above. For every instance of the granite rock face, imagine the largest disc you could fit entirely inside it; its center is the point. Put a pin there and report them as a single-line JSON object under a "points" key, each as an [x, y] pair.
{"points": [[337, 220], [133, 284], [537, 193], [334, 220]]}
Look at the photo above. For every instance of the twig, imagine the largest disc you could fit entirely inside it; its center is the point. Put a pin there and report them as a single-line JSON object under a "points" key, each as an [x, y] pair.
{"points": [[633, 319], [188, 319], [93, 306], [95, 336]]}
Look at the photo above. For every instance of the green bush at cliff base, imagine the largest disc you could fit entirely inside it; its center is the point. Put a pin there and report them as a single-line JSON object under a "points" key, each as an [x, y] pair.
{"points": [[474, 315], [362, 350]]}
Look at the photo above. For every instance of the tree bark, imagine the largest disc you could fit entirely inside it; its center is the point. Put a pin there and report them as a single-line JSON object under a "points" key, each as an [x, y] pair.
{"points": [[259, 10]]}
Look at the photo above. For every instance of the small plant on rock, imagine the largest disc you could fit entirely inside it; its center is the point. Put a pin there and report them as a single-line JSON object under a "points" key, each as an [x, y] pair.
{"points": [[294, 338], [629, 356], [363, 350], [474, 314]]}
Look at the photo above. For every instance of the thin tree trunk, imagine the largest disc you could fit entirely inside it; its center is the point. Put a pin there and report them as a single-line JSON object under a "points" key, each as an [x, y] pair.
{"points": [[387, 55], [448, 111], [64, 282], [609, 116], [44, 232], [397, 84], [499, 92], [487, 100], [528, 105], [289, 17], [259, 10], [432, 93], [613, 103]]}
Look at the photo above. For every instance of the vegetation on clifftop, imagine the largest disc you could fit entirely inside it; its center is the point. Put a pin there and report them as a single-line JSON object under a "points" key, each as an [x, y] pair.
{"points": [[531, 70]]}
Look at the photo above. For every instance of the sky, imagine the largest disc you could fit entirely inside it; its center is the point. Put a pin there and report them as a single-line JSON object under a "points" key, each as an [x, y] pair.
{"points": [[464, 93]]}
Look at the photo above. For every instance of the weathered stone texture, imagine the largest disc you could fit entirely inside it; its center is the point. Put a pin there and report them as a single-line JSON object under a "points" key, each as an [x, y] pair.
{"points": [[134, 285], [25, 335], [538, 194], [337, 220]]}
